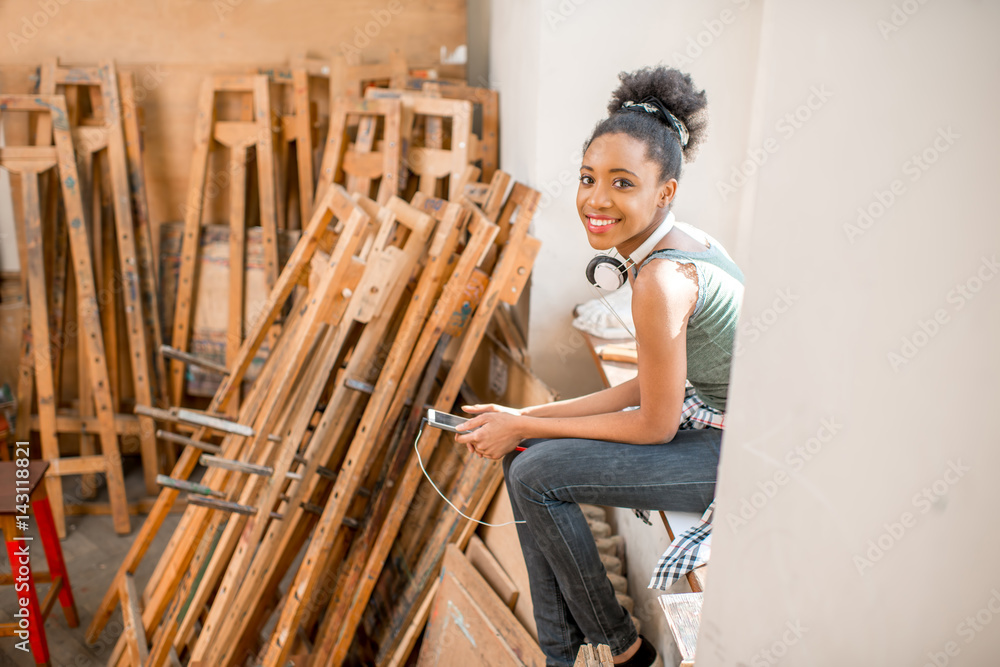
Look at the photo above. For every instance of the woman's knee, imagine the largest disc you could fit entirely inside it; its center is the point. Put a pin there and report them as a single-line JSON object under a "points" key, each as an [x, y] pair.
{"points": [[532, 468]]}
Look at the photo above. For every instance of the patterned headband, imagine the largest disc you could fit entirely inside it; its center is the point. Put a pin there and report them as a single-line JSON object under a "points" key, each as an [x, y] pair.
{"points": [[654, 106]]}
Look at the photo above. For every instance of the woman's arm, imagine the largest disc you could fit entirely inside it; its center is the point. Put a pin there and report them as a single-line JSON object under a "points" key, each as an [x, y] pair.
{"points": [[663, 299], [607, 400]]}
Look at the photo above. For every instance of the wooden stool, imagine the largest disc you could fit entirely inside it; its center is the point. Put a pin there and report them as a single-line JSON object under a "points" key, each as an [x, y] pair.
{"points": [[57, 576]]}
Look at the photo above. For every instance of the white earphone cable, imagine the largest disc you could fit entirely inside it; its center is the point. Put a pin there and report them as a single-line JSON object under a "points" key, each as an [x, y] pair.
{"points": [[607, 305], [420, 460]]}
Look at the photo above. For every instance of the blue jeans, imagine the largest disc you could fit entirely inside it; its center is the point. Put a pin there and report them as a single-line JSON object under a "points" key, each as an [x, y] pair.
{"points": [[572, 596]]}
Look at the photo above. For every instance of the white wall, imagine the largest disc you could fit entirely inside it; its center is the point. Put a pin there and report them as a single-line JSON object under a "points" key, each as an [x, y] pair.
{"points": [[826, 552], [555, 64], [837, 559]]}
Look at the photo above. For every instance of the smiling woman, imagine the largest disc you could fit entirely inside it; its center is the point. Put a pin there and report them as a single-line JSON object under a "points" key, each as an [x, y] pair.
{"points": [[663, 453]]}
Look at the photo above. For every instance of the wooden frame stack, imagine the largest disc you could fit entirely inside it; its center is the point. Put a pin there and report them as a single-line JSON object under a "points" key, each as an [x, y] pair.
{"points": [[432, 162], [29, 162], [297, 127], [357, 166], [238, 136], [109, 173], [351, 223]]}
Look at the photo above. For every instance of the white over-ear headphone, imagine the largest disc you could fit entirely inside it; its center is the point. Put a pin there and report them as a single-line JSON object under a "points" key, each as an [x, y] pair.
{"points": [[609, 273]]}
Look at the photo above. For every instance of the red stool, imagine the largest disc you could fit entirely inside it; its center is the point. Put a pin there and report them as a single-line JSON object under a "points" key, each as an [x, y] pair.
{"points": [[57, 575]]}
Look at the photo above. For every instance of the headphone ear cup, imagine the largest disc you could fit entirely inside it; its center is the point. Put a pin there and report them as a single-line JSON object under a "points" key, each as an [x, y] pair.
{"points": [[607, 273]]}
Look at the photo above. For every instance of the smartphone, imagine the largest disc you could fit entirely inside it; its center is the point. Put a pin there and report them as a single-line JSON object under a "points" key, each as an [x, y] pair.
{"points": [[448, 422], [445, 421]]}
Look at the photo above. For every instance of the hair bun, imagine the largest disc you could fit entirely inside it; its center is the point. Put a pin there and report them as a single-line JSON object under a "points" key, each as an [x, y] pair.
{"points": [[675, 92]]}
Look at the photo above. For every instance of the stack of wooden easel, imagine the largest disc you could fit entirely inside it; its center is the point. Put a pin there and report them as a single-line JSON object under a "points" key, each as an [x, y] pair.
{"points": [[319, 461], [83, 206], [303, 495]]}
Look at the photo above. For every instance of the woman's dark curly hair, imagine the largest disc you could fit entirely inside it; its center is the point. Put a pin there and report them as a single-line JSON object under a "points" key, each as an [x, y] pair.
{"points": [[679, 96]]}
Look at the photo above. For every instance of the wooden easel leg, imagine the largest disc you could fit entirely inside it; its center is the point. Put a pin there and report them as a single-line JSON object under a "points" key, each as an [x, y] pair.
{"points": [[131, 285], [237, 253], [192, 237], [38, 299], [266, 178], [88, 313], [303, 141], [25, 374]]}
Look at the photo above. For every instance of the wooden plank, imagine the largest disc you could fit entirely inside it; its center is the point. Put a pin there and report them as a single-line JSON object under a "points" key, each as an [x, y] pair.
{"points": [[683, 612], [266, 177], [470, 625], [589, 656], [483, 560], [335, 635], [394, 268], [303, 123], [237, 253], [132, 616], [319, 312], [37, 302], [287, 281], [143, 231], [508, 263], [183, 307], [129, 269]]}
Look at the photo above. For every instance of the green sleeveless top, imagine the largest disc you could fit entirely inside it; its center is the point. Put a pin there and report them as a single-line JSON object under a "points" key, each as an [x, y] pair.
{"points": [[711, 329]]}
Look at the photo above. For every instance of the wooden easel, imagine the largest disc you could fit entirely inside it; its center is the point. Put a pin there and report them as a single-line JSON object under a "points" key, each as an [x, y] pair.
{"points": [[336, 204], [104, 144], [357, 167], [312, 346], [223, 629], [297, 127], [485, 148], [238, 137], [432, 162], [351, 80], [360, 571], [29, 162]]}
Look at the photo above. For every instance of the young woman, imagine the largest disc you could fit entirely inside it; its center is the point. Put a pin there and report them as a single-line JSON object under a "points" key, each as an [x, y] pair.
{"points": [[686, 296]]}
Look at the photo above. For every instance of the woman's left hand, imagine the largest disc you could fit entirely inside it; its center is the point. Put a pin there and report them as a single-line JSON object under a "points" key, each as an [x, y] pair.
{"points": [[491, 434]]}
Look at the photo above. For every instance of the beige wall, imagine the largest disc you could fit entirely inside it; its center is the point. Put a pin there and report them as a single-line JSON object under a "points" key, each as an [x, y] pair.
{"points": [[854, 522], [555, 64], [857, 490], [172, 45]]}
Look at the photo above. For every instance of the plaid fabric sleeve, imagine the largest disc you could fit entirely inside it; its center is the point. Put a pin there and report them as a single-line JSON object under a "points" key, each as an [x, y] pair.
{"points": [[686, 552]]}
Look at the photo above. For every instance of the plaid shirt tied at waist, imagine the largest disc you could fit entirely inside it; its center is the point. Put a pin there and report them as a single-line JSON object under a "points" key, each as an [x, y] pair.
{"points": [[691, 548]]}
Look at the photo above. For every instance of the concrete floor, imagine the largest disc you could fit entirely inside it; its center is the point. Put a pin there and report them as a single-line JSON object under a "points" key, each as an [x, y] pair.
{"points": [[93, 552]]}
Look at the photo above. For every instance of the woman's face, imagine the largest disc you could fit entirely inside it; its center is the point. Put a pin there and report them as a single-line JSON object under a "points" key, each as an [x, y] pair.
{"points": [[620, 195]]}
